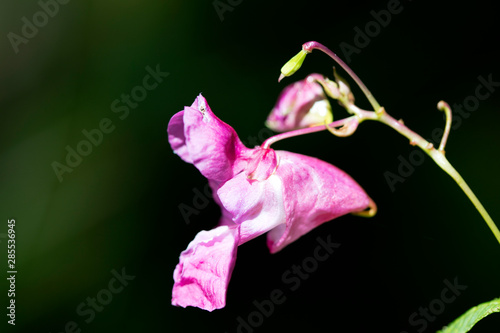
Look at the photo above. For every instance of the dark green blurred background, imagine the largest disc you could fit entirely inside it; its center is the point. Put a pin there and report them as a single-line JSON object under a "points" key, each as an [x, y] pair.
{"points": [[119, 207]]}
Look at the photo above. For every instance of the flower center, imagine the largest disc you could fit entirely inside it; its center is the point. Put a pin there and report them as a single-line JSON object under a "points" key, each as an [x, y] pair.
{"points": [[262, 164]]}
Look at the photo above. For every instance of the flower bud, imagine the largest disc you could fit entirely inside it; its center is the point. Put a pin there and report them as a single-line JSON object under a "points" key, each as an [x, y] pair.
{"points": [[301, 104], [293, 65], [344, 88]]}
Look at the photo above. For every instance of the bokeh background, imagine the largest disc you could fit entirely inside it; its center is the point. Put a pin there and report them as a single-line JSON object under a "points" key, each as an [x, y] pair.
{"points": [[118, 209]]}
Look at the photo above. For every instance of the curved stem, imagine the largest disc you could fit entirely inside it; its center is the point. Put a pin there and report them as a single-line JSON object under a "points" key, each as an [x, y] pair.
{"points": [[441, 160], [382, 116], [347, 129], [443, 106], [266, 144], [309, 46], [437, 156]]}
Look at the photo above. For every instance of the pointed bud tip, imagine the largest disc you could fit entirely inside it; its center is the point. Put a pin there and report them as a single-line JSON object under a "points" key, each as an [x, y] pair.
{"points": [[293, 64], [281, 77]]}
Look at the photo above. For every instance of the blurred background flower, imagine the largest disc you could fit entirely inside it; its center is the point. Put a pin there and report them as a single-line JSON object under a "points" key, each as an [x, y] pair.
{"points": [[301, 104]]}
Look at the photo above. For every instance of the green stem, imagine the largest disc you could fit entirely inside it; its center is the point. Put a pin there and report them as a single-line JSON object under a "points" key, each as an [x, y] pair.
{"points": [[350, 125], [309, 46], [436, 154], [278, 137], [449, 169], [415, 139]]}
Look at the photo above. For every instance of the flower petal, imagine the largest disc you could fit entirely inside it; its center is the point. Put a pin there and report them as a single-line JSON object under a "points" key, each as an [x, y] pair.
{"points": [[176, 136], [300, 105], [257, 206], [314, 192], [204, 140], [204, 270], [262, 164]]}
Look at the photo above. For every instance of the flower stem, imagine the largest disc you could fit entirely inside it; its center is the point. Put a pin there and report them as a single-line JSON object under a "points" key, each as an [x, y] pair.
{"points": [[443, 106], [350, 125], [266, 144], [449, 169], [309, 46], [415, 139], [437, 155]]}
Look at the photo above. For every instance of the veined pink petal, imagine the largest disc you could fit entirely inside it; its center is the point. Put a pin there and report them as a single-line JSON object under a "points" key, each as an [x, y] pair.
{"points": [[204, 140], [314, 192], [202, 275], [258, 190], [226, 217], [261, 164], [257, 206]]}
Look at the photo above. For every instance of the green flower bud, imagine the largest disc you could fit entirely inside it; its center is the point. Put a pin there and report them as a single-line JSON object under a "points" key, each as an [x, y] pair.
{"points": [[293, 65]]}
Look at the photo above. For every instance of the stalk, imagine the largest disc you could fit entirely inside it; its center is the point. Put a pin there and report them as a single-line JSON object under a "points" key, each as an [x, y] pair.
{"points": [[379, 114]]}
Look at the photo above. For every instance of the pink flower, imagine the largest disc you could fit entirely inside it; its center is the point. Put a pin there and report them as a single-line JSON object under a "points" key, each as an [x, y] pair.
{"points": [[301, 104], [259, 190]]}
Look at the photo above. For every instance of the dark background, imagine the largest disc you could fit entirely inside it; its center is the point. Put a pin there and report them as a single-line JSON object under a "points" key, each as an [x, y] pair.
{"points": [[119, 207]]}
